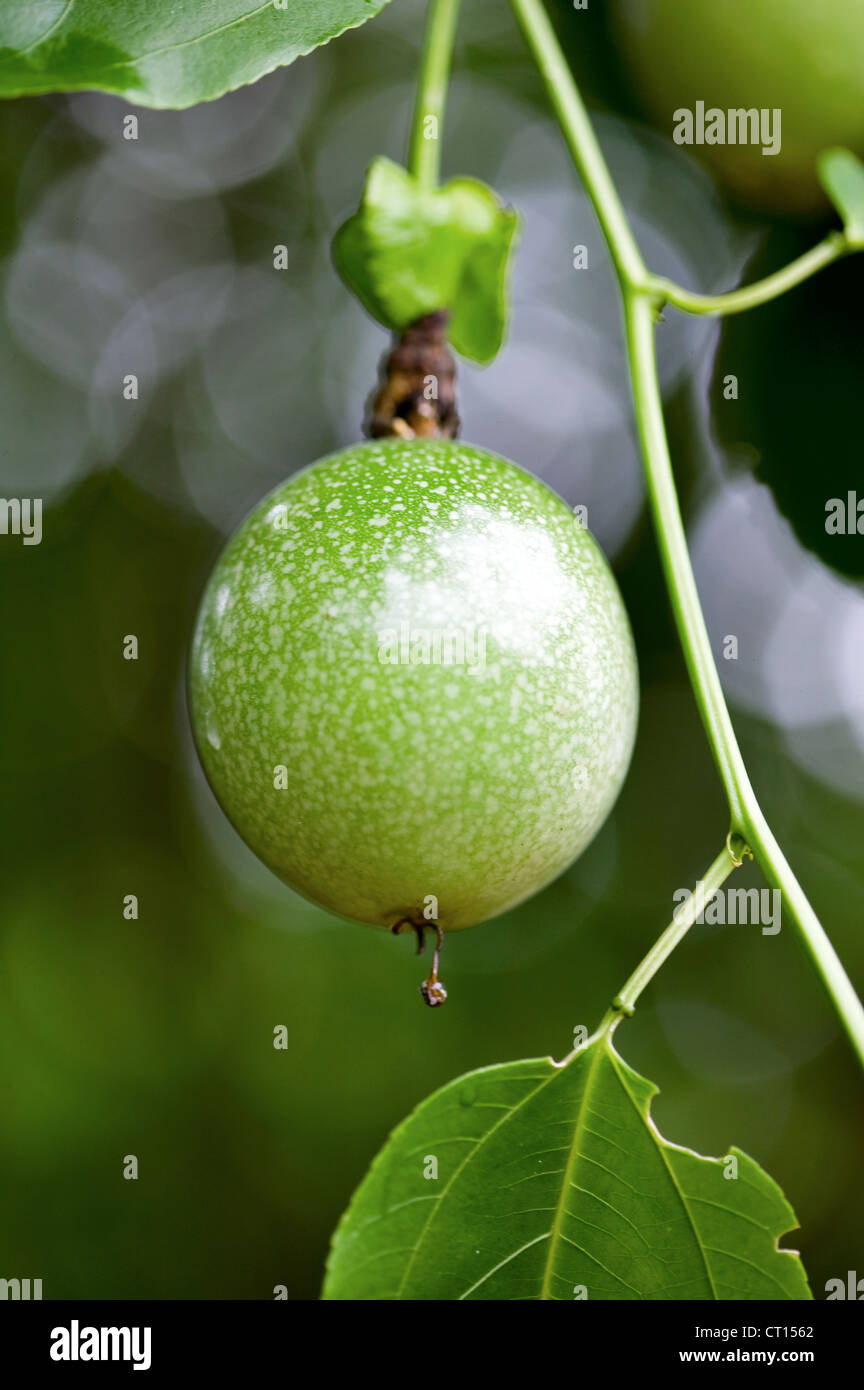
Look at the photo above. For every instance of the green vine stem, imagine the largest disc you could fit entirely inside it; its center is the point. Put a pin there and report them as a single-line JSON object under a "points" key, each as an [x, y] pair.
{"points": [[624, 1002], [642, 296], [582, 142], [424, 154], [746, 814], [832, 248]]}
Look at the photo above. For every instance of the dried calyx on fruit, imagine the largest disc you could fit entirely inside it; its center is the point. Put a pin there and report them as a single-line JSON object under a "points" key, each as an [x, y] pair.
{"points": [[416, 395]]}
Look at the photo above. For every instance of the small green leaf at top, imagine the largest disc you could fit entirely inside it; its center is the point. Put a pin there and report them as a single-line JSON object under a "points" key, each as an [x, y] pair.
{"points": [[541, 1181], [161, 52], [842, 176], [411, 250]]}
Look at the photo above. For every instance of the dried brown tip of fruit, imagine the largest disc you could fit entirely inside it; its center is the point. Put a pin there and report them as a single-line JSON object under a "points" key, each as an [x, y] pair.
{"points": [[433, 992]]}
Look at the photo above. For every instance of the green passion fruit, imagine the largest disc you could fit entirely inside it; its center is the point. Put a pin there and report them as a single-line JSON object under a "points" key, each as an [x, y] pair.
{"points": [[803, 58], [413, 685]]}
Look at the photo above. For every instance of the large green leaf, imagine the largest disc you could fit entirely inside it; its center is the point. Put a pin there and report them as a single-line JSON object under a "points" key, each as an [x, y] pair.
{"points": [[409, 250], [553, 1183], [161, 52]]}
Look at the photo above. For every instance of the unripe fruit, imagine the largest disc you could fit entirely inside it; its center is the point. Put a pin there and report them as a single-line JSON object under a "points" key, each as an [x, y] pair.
{"points": [[803, 57], [413, 684]]}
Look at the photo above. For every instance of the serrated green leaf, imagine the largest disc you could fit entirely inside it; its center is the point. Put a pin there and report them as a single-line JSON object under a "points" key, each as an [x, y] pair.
{"points": [[553, 1179], [410, 250], [170, 53], [842, 176]]}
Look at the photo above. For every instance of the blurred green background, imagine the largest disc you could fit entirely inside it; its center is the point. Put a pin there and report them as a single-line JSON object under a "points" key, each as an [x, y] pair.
{"points": [[155, 1037]]}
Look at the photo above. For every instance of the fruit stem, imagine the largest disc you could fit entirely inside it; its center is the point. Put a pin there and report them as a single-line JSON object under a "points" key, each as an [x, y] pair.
{"points": [[402, 404], [424, 157], [640, 292]]}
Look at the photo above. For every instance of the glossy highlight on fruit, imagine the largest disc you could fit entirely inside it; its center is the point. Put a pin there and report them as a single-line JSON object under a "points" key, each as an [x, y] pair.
{"points": [[413, 685], [803, 57]]}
